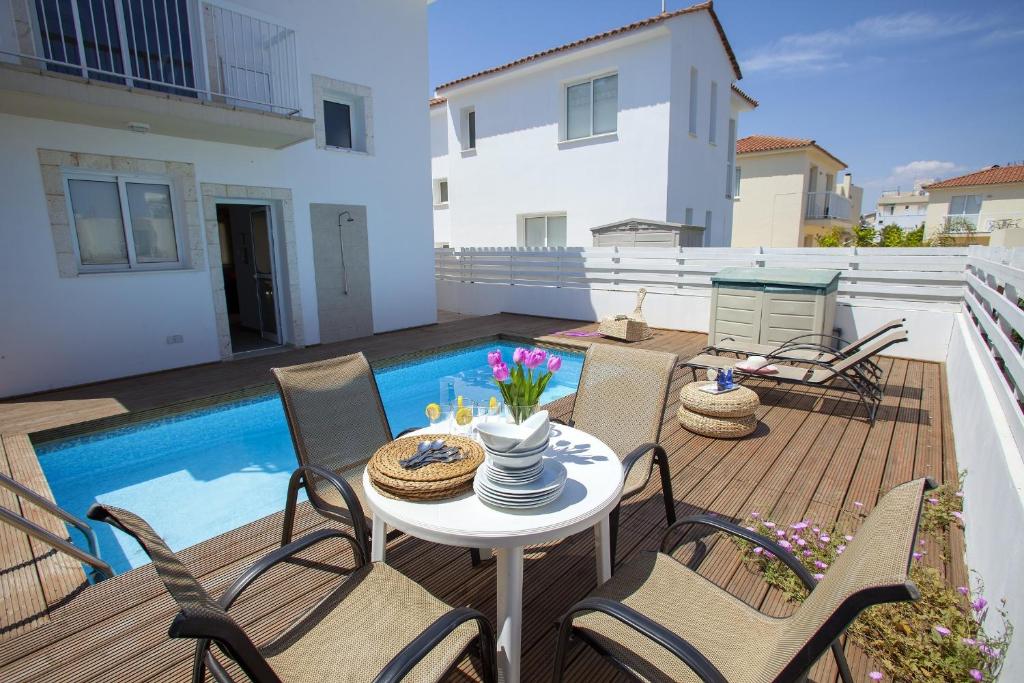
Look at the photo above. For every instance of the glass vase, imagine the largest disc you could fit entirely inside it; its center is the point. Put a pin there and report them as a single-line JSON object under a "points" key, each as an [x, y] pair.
{"points": [[517, 414]]}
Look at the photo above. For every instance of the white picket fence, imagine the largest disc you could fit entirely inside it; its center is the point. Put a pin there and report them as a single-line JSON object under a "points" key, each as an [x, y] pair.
{"points": [[895, 274]]}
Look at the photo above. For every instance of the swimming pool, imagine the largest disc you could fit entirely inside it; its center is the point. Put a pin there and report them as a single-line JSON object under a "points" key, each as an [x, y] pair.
{"points": [[199, 474]]}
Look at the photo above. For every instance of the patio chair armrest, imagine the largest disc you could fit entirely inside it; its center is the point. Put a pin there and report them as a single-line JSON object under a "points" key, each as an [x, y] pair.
{"points": [[640, 451], [568, 422], [785, 556], [681, 648], [300, 477], [402, 433], [278, 556], [814, 335], [410, 655]]}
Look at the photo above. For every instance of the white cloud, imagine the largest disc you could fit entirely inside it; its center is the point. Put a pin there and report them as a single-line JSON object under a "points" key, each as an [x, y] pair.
{"points": [[825, 50], [1002, 35], [915, 172]]}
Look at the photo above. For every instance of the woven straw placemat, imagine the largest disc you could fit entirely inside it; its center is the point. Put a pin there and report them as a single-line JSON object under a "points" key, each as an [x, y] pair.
{"points": [[430, 482], [385, 460], [740, 402]]}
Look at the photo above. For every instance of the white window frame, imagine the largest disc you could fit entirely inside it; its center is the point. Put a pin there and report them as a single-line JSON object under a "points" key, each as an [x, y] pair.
{"points": [[732, 185], [438, 203], [521, 227], [120, 179], [694, 96], [467, 144], [713, 115], [564, 132], [949, 206], [737, 183]]}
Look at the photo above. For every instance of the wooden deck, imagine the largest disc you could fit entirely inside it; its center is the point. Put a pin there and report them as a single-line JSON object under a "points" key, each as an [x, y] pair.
{"points": [[812, 455]]}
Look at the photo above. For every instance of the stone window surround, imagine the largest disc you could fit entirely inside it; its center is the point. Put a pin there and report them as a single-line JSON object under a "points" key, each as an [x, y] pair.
{"points": [[54, 163], [322, 89], [280, 199]]}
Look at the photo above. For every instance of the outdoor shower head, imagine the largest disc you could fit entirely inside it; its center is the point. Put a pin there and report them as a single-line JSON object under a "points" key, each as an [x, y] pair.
{"points": [[347, 216]]}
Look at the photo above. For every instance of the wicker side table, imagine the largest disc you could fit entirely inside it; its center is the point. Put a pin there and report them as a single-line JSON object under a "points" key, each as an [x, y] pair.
{"points": [[720, 416]]}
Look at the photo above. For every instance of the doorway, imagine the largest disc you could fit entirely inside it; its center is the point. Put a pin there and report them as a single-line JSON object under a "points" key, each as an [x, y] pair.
{"points": [[250, 284]]}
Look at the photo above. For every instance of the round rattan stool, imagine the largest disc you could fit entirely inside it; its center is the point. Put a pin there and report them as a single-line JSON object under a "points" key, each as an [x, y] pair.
{"points": [[716, 427], [740, 402]]}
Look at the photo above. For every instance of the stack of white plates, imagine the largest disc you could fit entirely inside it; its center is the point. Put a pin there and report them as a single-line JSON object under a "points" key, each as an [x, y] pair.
{"points": [[545, 487]]}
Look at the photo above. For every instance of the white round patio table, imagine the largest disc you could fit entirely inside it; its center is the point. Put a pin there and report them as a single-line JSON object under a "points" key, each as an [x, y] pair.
{"points": [[593, 488]]}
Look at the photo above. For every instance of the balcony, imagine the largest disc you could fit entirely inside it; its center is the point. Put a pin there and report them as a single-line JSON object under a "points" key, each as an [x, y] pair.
{"points": [[828, 206], [177, 67], [981, 223]]}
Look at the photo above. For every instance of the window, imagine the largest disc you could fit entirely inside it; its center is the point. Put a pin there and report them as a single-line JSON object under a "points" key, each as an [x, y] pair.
{"points": [[343, 116], [965, 205], [713, 123], [100, 206], [693, 100], [689, 216], [441, 192], [736, 187], [543, 231], [468, 128], [338, 124], [732, 184], [592, 107]]}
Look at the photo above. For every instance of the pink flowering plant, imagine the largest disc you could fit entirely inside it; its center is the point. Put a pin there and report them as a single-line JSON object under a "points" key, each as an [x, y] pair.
{"points": [[937, 638], [522, 385]]}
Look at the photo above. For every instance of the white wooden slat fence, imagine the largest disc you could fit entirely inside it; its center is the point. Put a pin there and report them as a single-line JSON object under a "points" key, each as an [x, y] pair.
{"points": [[919, 274]]}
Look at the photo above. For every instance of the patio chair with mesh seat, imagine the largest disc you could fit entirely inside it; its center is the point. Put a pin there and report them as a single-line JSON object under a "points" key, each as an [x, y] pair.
{"points": [[658, 620], [378, 625], [849, 374], [337, 421], [621, 400]]}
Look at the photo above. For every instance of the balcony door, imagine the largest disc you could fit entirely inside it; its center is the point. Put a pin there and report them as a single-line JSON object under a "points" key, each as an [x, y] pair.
{"points": [[141, 43]]}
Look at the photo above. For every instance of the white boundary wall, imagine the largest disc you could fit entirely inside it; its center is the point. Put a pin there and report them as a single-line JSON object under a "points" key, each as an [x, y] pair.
{"points": [[923, 285], [984, 372], [963, 307]]}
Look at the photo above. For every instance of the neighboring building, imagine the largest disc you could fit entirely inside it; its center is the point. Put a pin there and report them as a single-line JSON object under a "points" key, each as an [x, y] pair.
{"points": [[788, 193], [904, 209], [635, 123], [214, 178], [984, 207], [869, 218]]}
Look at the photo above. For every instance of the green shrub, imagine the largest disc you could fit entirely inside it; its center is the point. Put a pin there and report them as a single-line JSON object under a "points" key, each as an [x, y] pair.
{"points": [[935, 639]]}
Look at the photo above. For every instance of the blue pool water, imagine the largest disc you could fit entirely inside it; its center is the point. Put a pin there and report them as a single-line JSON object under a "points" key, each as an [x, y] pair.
{"points": [[202, 473]]}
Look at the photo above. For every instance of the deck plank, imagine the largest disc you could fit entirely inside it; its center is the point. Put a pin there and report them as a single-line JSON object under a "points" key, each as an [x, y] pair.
{"points": [[812, 456]]}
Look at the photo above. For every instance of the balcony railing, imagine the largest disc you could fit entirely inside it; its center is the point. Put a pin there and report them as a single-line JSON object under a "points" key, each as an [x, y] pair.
{"points": [[821, 205], [184, 47], [983, 223]]}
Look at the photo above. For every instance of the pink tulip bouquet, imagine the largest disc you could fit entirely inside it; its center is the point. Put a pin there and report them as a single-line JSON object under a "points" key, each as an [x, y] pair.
{"points": [[522, 385]]}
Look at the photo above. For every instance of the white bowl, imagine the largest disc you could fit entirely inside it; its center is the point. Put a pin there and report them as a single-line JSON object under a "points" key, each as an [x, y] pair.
{"points": [[516, 462], [501, 436], [540, 448]]}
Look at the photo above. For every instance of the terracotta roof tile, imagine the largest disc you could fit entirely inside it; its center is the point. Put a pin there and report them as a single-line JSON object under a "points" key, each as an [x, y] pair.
{"points": [[996, 175], [748, 98], [435, 101], [644, 23], [772, 143]]}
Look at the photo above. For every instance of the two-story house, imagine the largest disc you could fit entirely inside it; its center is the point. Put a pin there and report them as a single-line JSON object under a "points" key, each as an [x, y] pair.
{"points": [[984, 207], [904, 209], [188, 180], [788, 193], [636, 122]]}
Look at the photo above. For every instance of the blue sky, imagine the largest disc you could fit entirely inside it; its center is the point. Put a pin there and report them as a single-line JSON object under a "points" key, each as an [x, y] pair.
{"points": [[898, 90]]}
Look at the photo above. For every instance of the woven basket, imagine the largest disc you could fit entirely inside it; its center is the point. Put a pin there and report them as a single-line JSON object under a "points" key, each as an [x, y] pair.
{"points": [[740, 402], [625, 329], [716, 427], [431, 482]]}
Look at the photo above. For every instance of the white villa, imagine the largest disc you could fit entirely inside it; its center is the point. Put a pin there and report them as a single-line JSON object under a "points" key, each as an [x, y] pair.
{"points": [[904, 209], [184, 181], [638, 122]]}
